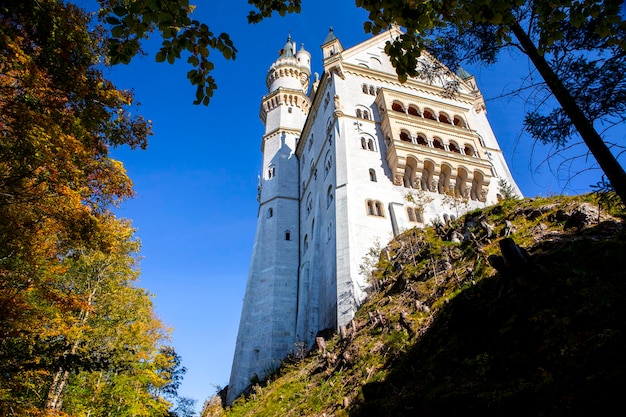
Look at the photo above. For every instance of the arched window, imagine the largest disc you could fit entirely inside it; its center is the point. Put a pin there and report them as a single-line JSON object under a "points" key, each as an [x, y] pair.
{"points": [[421, 140], [404, 137], [309, 204], [329, 196], [358, 113], [454, 147], [372, 175], [287, 234], [305, 243], [468, 150], [363, 143], [328, 163], [438, 143], [375, 208], [397, 107], [379, 209], [370, 145], [429, 114], [413, 110], [270, 212], [444, 118], [365, 88], [271, 172], [372, 90], [366, 115], [458, 121]]}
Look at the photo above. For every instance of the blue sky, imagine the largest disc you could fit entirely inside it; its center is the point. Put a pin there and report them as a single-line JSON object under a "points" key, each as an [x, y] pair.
{"points": [[196, 208]]}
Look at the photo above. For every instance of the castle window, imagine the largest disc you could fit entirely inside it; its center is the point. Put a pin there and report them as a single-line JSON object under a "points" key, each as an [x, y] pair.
{"points": [[366, 115], [305, 243], [271, 172], [375, 208], [415, 215], [437, 143], [372, 90], [372, 175], [270, 212], [397, 107], [328, 163], [329, 196], [428, 114], [309, 204], [468, 150], [443, 118], [404, 137], [413, 111], [289, 110], [421, 140], [454, 147], [458, 121], [365, 88], [370, 144], [358, 113], [287, 234]]}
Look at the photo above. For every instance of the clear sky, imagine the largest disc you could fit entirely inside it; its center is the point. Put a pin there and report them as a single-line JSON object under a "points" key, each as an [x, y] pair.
{"points": [[196, 208]]}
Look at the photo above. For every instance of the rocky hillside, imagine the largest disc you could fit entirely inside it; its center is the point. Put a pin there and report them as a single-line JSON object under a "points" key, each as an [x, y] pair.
{"points": [[517, 309]]}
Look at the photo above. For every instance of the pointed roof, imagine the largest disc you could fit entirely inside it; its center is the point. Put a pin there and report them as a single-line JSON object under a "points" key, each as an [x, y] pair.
{"points": [[330, 37], [462, 73], [287, 50]]}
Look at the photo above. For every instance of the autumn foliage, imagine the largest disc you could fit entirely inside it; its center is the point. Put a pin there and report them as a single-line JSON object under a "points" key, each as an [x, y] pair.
{"points": [[76, 334]]}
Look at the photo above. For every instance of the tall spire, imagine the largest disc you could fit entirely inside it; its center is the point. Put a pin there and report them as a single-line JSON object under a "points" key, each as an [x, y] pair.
{"points": [[287, 50]]}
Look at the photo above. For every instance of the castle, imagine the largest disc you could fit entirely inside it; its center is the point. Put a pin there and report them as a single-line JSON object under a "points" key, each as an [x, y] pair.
{"points": [[356, 160]]}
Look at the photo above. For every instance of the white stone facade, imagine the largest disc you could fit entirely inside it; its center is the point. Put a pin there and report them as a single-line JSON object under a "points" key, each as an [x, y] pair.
{"points": [[339, 165]]}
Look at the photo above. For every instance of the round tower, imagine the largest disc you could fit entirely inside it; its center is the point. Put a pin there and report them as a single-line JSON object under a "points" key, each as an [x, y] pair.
{"points": [[267, 330]]}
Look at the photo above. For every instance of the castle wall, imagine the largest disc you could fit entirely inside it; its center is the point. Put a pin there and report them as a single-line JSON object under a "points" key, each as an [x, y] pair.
{"points": [[343, 173]]}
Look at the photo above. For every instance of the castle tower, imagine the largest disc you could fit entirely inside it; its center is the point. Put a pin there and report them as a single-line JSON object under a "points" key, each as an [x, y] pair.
{"points": [[268, 319], [357, 161]]}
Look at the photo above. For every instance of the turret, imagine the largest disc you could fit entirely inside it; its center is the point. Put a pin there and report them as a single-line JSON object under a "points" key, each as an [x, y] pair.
{"points": [[291, 70]]}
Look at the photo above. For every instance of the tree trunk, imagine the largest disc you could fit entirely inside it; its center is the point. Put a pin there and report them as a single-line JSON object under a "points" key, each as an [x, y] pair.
{"points": [[601, 152]]}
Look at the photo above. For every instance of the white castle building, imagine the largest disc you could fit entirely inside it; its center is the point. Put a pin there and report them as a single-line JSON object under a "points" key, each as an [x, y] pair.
{"points": [[357, 159]]}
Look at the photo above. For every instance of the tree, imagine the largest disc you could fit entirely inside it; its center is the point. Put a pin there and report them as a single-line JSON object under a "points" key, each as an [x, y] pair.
{"points": [[131, 22], [577, 47], [70, 313]]}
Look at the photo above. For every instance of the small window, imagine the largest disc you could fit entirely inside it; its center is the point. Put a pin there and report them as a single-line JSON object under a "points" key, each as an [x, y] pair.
{"points": [[271, 172], [469, 151], [363, 143], [413, 111], [437, 143], [372, 175], [287, 234], [365, 88], [309, 204], [458, 121], [375, 208], [372, 90], [415, 215], [428, 114], [370, 145], [443, 118], [366, 115], [270, 212], [329, 196], [404, 137], [358, 113], [421, 140], [305, 243], [454, 147]]}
